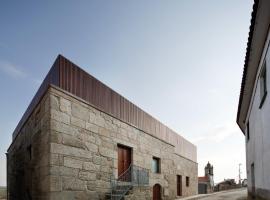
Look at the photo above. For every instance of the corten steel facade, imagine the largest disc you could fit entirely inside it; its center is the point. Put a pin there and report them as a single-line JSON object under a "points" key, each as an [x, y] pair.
{"points": [[253, 110], [79, 139]]}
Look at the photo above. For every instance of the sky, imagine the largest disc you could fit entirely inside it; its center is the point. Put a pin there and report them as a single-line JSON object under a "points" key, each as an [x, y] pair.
{"points": [[181, 61]]}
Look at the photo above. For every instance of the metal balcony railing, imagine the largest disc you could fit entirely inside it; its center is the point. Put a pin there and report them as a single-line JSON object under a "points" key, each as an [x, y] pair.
{"points": [[133, 176]]}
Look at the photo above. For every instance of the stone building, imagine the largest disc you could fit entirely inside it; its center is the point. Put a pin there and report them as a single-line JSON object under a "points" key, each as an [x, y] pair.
{"points": [[254, 105], [206, 182], [227, 184], [79, 139]]}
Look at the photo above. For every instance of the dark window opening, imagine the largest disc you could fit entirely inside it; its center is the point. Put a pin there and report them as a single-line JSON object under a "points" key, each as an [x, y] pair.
{"points": [[156, 165], [29, 150], [187, 181], [248, 131], [179, 185], [263, 85]]}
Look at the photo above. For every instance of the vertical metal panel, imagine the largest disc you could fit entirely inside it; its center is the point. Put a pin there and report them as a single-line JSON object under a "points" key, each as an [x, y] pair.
{"points": [[73, 79]]}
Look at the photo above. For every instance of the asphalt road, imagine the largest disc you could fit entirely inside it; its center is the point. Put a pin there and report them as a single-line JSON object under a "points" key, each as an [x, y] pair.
{"points": [[230, 195], [237, 194]]}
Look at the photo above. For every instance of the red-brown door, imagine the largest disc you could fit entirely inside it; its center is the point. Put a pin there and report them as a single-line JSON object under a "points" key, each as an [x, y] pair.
{"points": [[157, 192], [179, 185], [124, 160]]}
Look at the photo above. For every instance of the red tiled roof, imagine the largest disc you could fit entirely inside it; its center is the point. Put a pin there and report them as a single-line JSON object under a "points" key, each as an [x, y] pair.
{"points": [[203, 179]]}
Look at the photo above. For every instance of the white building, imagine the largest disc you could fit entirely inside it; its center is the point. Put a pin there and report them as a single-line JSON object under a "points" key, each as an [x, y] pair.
{"points": [[253, 115]]}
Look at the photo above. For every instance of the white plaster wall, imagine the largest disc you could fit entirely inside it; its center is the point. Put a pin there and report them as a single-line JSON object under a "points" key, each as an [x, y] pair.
{"points": [[258, 146]]}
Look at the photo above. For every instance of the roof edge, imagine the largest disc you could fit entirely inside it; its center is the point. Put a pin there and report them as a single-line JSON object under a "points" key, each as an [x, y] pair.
{"points": [[250, 37]]}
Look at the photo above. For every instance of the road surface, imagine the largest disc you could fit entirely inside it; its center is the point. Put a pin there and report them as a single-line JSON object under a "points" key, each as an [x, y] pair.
{"points": [[237, 194]]}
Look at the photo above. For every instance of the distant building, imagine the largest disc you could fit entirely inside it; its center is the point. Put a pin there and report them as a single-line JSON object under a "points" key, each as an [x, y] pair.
{"points": [[227, 184], [253, 115], [206, 182], [244, 183], [79, 139]]}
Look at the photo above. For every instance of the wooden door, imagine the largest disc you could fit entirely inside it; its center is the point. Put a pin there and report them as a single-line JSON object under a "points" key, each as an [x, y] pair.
{"points": [[179, 185], [124, 160], [157, 192]]}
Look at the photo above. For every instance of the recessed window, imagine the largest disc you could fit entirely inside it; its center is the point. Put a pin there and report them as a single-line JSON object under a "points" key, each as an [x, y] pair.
{"points": [[247, 131], [263, 85], [179, 185], [156, 165], [187, 181], [29, 150]]}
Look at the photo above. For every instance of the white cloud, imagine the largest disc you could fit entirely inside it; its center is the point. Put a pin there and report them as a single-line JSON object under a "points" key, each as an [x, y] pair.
{"points": [[12, 70], [217, 134]]}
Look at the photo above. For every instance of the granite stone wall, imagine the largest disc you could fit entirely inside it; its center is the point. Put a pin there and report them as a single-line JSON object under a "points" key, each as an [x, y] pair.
{"points": [[84, 152], [80, 142], [28, 156]]}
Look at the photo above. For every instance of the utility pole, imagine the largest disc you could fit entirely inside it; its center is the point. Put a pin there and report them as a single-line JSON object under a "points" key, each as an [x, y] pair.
{"points": [[240, 173]]}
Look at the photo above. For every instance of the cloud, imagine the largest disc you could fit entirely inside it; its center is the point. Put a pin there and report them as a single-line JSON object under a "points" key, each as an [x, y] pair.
{"points": [[11, 70], [217, 134]]}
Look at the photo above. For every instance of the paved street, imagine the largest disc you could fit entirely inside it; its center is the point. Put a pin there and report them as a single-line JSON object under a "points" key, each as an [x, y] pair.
{"points": [[238, 194]]}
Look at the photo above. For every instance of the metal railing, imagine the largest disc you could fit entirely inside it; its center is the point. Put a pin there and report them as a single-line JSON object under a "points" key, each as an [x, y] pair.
{"points": [[133, 176]]}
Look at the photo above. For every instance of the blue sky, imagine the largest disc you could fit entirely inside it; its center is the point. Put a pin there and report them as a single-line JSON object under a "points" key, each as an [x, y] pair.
{"points": [[181, 61]]}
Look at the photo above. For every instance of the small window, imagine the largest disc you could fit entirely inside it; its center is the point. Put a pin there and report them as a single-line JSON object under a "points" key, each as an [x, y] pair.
{"points": [[247, 131], [187, 181], [179, 185], [263, 85], [156, 165], [29, 150]]}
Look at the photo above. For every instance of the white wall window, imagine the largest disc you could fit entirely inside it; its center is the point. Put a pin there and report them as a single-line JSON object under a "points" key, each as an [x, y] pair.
{"points": [[263, 85]]}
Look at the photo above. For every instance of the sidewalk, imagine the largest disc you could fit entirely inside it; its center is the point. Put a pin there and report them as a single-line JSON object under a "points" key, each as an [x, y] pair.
{"points": [[202, 196]]}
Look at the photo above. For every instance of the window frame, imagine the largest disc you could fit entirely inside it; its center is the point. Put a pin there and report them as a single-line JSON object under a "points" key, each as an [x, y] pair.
{"points": [[158, 165]]}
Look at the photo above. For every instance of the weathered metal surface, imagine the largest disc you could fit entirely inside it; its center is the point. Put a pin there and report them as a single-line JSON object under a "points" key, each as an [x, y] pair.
{"points": [[73, 79]]}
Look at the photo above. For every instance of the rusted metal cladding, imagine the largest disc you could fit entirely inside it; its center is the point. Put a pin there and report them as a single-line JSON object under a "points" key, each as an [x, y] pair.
{"points": [[78, 82], [73, 79]]}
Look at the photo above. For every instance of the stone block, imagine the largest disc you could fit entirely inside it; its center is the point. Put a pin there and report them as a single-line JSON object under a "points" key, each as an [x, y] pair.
{"points": [[77, 122], [65, 105], [106, 168], [92, 116], [79, 111], [74, 184], [54, 159], [70, 151], [89, 166], [72, 141], [103, 184], [62, 127], [104, 132], [91, 147], [56, 137], [66, 171], [55, 183], [91, 185], [107, 152], [60, 116], [92, 127], [87, 176], [100, 121], [54, 102], [73, 163]]}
